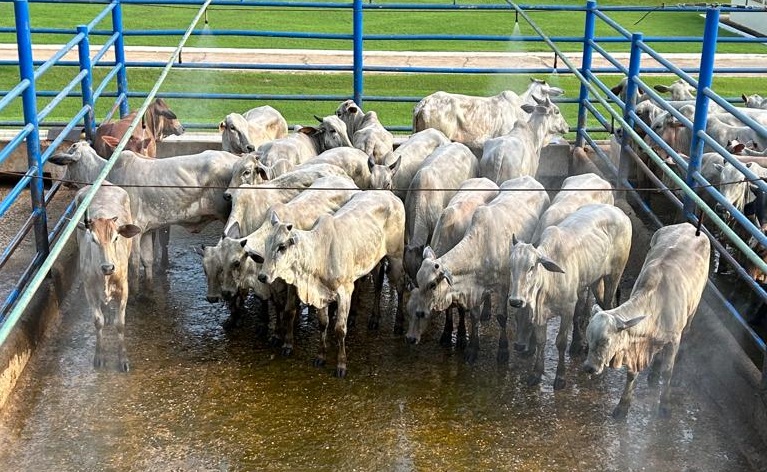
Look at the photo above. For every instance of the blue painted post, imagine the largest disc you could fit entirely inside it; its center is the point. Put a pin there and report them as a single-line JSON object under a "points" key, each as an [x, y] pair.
{"points": [[705, 76], [29, 101], [588, 34], [122, 77], [357, 32], [635, 65], [84, 51]]}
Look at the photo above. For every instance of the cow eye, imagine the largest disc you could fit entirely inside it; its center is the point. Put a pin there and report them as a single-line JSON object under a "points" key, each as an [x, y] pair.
{"points": [[281, 248], [235, 264], [247, 172], [433, 285]]}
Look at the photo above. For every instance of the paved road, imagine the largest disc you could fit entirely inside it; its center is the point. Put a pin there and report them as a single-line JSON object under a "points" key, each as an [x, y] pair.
{"points": [[388, 58]]}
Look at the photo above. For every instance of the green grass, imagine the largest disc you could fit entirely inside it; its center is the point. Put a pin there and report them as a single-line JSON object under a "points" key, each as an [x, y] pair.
{"points": [[301, 112], [376, 22]]}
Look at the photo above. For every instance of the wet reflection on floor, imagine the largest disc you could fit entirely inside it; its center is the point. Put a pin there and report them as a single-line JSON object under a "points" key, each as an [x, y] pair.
{"points": [[201, 398]]}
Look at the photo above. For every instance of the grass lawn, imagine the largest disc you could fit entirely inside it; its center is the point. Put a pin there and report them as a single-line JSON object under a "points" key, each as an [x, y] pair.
{"points": [[376, 22]]}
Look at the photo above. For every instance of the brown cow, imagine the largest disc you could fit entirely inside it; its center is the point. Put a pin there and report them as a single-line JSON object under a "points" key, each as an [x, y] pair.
{"points": [[158, 122]]}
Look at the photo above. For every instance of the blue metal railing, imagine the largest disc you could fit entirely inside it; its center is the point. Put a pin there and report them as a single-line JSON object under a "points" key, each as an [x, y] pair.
{"points": [[26, 89], [595, 99]]}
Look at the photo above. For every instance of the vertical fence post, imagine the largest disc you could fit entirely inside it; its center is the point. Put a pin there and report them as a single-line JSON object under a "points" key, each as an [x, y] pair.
{"points": [[357, 32], [84, 51], [705, 76], [588, 35], [29, 103], [635, 64], [122, 77]]}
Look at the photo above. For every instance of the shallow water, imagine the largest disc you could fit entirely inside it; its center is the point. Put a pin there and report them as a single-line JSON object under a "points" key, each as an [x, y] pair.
{"points": [[201, 398]]}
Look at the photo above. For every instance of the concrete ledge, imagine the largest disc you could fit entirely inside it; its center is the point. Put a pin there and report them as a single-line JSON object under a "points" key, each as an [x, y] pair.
{"points": [[41, 316]]}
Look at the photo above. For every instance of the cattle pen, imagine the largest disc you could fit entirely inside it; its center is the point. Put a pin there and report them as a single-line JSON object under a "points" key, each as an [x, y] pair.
{"points": [[201, 397]]}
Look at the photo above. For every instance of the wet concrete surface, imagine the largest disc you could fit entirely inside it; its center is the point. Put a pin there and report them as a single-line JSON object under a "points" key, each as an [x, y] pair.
{"points": [[202, 398]]}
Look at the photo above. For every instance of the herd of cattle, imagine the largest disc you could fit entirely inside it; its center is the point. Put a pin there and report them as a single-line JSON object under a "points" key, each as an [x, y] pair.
{"points": [[453, 216]]}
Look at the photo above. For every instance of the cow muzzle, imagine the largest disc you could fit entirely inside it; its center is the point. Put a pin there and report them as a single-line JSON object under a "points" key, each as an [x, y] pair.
{"points": [[108, 269], [589, 368], [411, 339], [250, 148], [516, 303], [227, 196], [226, 295]]}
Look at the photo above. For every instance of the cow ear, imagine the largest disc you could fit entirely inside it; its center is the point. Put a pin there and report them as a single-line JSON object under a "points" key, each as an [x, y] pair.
{"points": [[81, 225], [371, 163], [428, 253], [353, 109], [617, 89], [744, 97], [128, 231], [527, 108], [661, 88], [630, 323], [262, 171], [233, 231], [308, 130], [258, 258], [738, 148], [550, 265], [222, 126], [110, 141], [514, 240], [395, 166], [114, 219], [595, 308], [318, 118], [448, 276], [274, 219]]}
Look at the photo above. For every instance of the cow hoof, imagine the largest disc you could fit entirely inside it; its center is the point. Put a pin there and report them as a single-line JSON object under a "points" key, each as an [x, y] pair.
{"points": [[620, 412], [340, 372], [373, 324], [664, 411], [446, 340], [470, 356], [319, 362], [533, 380], [503, 356], [99, 361], [559, 383], [287, 351]]}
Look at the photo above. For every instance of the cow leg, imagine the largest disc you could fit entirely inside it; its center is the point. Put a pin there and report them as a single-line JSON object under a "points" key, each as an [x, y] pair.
{"points": [[289, 315], [539, 333], [622, 409], [503, 335], [471, 353], [162, 241], [122, 355], [99, 359], [344, 300], [667, 372], [396, 273], [324, 320], [565, 326], [375, 318], [447, 332], [280, 302], [460, 337], [134, 264], [578, 346], [524, 344], [147, 259]]}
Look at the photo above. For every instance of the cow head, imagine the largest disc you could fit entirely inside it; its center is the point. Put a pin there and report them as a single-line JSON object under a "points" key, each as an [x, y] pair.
{"points": [[234, 259], [545, 119], [213, 267], [754, 101], [603, 336], [541, 88], [162, 121], [679, 90], [234, 134], [101, 237], [278, 248], [382, 176], [431, 294], [528, 268], [330, 133], [83, 164], [244, 171]]}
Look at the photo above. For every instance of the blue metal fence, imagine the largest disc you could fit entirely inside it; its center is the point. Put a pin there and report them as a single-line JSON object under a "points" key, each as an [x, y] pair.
{"points": [[596, 102]]}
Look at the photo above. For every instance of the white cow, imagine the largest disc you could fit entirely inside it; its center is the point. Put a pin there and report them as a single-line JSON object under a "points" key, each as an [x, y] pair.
{"points": [[104, 246], [244, 133], [648, 327], [369, 228], [181, 190], [251, 202], [366, 131], [477, 268], [587, 249], [397, 172], [450, 229], [473, 120], [755, 101], [352, 160], [518, 153], [435, 183], [679, 90]]}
